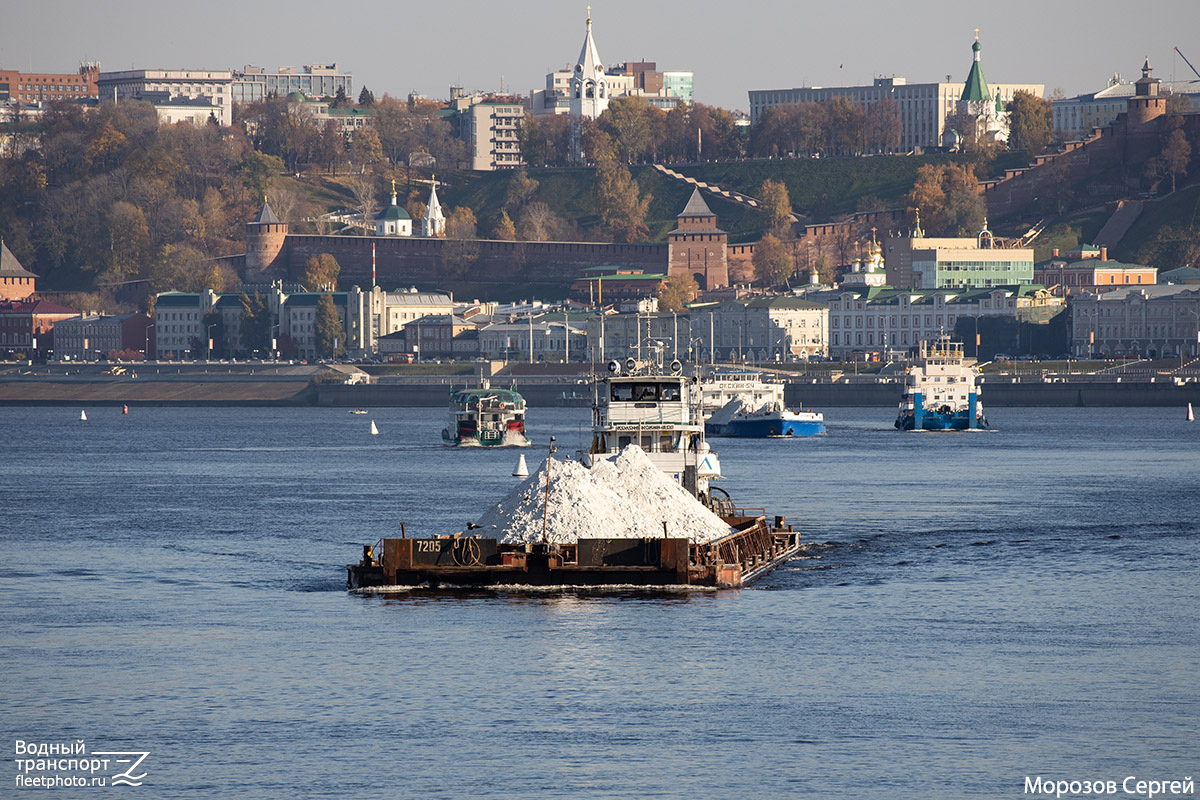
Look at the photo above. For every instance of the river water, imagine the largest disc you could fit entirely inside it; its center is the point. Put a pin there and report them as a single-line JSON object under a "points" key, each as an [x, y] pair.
{"points": [[971, 609]]}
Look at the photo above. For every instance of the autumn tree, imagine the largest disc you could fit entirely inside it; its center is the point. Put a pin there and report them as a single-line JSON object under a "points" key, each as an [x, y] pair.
{"points": [[622, 210], [1030, 123], [677, 292], [363, 189], [1176, 155], [545, 140], [461, 223], [773, 264], [329, 337], [504, 228], [636, 128], [774, 201], [365, 149], [884, 127], [520, 190], [536, 222], [321, 273], [948, 200]]}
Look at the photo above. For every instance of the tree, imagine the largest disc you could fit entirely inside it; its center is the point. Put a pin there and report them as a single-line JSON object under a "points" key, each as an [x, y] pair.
{"points": [[537, 223], [328, 334], [773, 263], [321, 273], [340, 100], [676, 293], [520, 190], [1176, 155], [330, 146], [883, 126], [774, 202], [635, 126], [621, 209], [365, 98], [544, 140], [173, 268], [461, 223], [365, 149], [504, 229], [256, 171], [1178, 104], [948, 200], [363, 189], [129, 243], [257, 323], [1030, 123]]}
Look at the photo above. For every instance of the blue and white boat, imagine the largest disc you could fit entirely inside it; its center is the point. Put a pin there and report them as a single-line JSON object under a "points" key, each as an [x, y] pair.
{"points": [[768, 420], [941, 391], [743, 403]]}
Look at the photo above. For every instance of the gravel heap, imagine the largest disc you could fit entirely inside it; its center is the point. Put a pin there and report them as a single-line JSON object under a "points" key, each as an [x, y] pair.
{"points": [[627, 497]]}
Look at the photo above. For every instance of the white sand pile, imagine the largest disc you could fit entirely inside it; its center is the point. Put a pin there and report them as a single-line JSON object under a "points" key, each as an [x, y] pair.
{"points": [[625, 498]]}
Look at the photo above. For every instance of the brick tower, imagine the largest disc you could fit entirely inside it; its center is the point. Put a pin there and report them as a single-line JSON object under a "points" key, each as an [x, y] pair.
{"points": [[266, 238], [697, 246], [1146, 104]]}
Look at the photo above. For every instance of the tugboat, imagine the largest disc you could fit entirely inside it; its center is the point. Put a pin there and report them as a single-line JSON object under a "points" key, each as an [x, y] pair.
{"points": [[648, 407], [941, 391], [486, 417]]}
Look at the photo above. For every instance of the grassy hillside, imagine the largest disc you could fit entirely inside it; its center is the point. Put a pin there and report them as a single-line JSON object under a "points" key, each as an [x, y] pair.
{"points": [[820, 188], [1068, 233], [1162, 234]]}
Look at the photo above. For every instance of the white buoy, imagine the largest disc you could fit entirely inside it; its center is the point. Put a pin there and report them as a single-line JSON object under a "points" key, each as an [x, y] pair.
{"points": [[1190, 417], [522, 470], [83, 416], [374, 430]]}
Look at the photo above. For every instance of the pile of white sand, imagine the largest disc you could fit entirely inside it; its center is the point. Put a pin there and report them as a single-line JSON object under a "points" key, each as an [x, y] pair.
{"points": [[625, 498]]}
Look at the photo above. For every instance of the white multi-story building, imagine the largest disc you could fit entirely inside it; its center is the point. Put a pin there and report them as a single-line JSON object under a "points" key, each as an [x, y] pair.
{"points": [[492, 134], [533, 340], [921, 262], [134, 84], [764, 329], [1142, 321], [1075, 117], [254, 84], [870, 319]]}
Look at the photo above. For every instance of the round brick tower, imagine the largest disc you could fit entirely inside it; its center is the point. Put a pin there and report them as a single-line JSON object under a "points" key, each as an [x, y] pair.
{"points": [[1146, 103], [266, 237]]}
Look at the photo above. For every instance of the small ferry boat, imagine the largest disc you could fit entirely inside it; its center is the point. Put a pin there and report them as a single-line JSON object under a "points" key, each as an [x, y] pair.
{"points": [[654, 409], [743, 403], [486, 417], [941, 391]]}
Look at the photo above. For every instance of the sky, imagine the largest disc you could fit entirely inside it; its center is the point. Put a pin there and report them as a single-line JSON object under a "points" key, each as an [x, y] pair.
{"points": [[396, 47]]}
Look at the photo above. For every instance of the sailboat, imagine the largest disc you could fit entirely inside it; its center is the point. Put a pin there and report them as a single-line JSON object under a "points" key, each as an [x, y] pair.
{"points": [[83, 416], [1190, 417], [374, 430]]}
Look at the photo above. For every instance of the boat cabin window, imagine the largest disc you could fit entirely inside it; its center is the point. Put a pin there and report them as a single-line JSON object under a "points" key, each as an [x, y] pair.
{"points": [[623, 442], [645, 392]]}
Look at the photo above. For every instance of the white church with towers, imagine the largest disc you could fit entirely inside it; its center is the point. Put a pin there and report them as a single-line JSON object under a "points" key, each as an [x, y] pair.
{"points": [[584, 90]]}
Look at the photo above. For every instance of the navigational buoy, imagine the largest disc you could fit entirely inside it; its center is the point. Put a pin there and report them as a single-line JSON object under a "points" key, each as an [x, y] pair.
{"points": [[83, 416], [124, 409], [1190, 417], [374, 430], [521, 471]]}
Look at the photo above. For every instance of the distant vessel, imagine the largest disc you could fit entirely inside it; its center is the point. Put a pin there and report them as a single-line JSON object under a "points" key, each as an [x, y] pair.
{"points": [[486, 416], [1190, 416], [657, 412], [374, 429], [83, 416], [750, 406], [357, 411], [941, 391]]}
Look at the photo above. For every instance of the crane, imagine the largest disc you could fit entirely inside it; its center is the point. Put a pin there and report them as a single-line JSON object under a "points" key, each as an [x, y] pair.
{"points": [[1185, 60]]}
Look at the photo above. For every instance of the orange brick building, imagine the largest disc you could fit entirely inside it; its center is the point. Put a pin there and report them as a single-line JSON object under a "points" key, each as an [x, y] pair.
{"points": [[30, 87]]}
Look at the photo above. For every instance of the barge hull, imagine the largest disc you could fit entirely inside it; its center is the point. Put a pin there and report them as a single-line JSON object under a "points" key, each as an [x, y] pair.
{"points": [[750, 551]]}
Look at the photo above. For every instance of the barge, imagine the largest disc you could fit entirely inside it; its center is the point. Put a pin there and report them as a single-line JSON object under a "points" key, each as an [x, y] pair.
{"points": [[752, 549]]}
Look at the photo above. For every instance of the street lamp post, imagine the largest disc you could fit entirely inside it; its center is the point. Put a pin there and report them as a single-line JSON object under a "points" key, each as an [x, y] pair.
{"points": [[146, 346]]}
